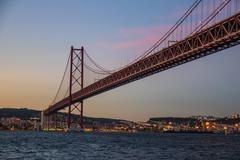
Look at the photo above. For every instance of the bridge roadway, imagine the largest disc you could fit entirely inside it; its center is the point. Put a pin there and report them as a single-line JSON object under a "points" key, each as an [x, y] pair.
{"points": [[218, 37]]}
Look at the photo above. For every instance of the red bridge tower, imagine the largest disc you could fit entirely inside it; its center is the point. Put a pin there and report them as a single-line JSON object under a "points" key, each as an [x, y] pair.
{"points": [[76, 80]]}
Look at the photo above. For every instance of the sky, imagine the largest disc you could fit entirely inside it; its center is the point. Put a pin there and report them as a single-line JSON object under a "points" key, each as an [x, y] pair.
{"points": [[36, 36]]}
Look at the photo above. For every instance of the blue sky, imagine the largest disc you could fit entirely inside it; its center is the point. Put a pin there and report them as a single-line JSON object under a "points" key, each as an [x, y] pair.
{"points": [[35, 38]]}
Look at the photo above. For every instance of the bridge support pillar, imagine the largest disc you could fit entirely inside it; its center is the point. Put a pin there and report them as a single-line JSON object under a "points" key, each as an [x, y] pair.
{"points": [[48, 117], [79, 107], [69, 117], [81, 118], [76, 80], [55, 120]]}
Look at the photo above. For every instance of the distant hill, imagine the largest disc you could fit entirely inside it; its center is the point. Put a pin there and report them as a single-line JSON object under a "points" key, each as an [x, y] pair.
{"points": [[180, 120], [25, 114], [177, 120], [22, 113], [228, 120]]}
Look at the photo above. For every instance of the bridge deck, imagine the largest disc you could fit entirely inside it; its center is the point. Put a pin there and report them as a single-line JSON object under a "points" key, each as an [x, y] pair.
{"points": [[220, 36]]}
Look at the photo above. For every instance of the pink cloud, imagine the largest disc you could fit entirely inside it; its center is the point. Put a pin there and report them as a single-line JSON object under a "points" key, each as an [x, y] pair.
{"points": [[139, 38]]}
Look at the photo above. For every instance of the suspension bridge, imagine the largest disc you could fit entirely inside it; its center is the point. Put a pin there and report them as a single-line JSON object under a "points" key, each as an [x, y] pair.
{"points": [[207, 27]]}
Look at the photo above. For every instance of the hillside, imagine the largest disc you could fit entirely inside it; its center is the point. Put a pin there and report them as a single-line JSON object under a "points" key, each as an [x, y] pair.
{"points": [[25, 114], [22, 113]]}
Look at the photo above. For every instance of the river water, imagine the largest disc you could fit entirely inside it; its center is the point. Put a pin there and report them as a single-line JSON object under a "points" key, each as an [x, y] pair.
{"points": [[50, 145]]}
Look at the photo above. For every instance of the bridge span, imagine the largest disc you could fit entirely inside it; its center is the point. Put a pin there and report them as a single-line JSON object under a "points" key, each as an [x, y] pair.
{"points": [[211, 39]]}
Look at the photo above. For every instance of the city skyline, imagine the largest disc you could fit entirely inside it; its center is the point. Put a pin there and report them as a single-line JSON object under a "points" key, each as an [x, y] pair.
{"points": [[35, 39]]}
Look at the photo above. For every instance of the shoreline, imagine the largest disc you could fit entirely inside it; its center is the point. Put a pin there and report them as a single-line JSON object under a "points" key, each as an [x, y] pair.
{"points": [[124, 132]]}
